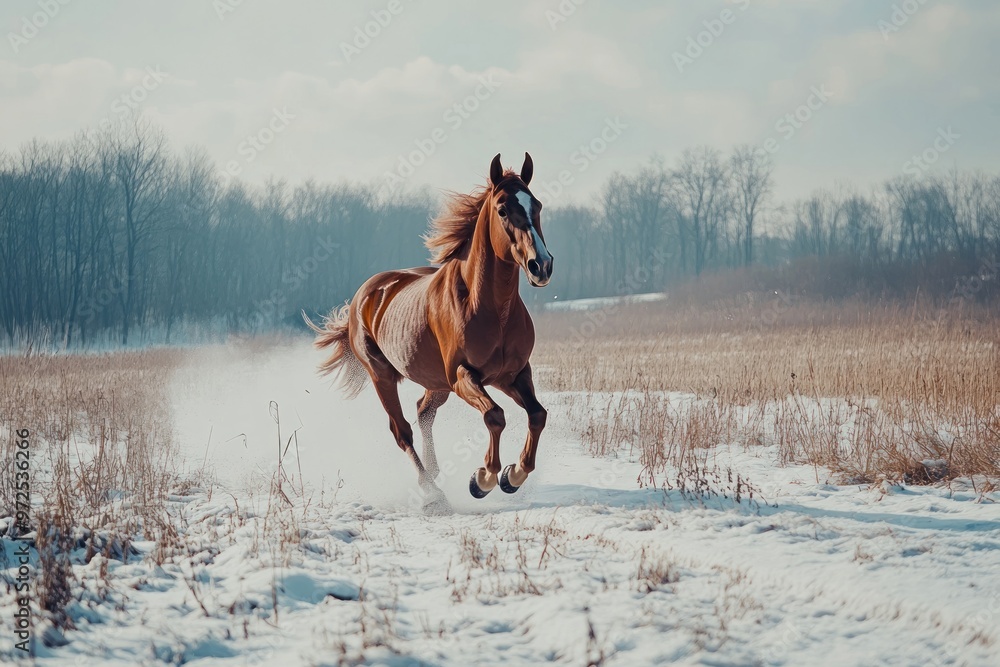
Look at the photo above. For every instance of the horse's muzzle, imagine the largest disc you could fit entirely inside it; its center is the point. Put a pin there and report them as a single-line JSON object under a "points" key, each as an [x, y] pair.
{"points": [[539, 270]]}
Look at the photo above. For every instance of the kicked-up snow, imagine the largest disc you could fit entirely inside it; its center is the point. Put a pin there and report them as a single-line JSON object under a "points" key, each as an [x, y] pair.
{"points": [[581, 566]]}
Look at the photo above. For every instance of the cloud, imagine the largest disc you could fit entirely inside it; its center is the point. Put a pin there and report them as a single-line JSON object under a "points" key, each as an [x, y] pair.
{"points": [[931, 44], [557, 87], [43, 100], [575, 57]]}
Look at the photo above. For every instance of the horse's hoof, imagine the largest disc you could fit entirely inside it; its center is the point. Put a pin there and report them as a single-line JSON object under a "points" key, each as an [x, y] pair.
{"points": [[475, 489], [505, 484]]}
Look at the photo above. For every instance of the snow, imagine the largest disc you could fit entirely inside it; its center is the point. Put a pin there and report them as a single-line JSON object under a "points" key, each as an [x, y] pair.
{"points": [[580, 563], [603, 302]]}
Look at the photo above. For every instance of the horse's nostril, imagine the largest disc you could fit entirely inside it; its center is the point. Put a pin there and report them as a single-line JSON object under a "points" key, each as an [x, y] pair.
{"points": [[533, 267]]}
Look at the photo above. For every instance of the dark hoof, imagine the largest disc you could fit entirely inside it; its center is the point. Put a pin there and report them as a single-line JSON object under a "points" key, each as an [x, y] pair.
{"points": [[505, 484], [474, 487]]}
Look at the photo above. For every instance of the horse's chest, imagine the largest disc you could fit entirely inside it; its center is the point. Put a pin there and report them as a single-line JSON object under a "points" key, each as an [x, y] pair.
{"points": [[495, 348]]}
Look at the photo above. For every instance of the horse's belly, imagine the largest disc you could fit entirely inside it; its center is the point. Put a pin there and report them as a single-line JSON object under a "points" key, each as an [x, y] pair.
{"points": [[404, 336]]}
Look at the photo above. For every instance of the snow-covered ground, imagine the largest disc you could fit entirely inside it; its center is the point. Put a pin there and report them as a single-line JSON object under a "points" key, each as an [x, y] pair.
{"points": [[603, 301], [580, 565]]}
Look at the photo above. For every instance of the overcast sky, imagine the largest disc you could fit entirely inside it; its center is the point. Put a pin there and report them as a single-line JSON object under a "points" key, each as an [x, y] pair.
{"points": [[883, 83]]}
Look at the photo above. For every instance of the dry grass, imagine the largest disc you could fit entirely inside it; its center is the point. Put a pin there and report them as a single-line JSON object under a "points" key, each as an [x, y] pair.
{"points": [[873, 391], [100, 424], [101, 459], [104, 472], [656, 571]]}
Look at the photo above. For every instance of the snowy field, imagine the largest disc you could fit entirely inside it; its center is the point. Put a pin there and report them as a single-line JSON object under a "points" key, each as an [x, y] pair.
{"points": [[580, 567], [602, 302]]}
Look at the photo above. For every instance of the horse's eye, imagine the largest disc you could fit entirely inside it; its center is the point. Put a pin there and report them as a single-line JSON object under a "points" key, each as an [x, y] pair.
{"points": [[502, 210]]}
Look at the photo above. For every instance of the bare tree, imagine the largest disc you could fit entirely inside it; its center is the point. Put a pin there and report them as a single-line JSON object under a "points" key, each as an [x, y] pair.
{"points": [[140, 173], [701, 182], [751, 168]]}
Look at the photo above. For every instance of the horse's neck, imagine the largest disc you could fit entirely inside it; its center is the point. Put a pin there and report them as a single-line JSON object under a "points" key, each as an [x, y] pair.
{"points": [[492, 283]]}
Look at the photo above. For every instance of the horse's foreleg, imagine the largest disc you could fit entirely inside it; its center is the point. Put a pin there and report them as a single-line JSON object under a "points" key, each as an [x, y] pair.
{"points": [[522, 390], [426, 410], [469, 387]]}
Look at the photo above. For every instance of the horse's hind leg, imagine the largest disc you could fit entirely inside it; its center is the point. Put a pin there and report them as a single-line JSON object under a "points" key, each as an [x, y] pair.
{"points": [[522, 390], [426, 410], [387, 389]]}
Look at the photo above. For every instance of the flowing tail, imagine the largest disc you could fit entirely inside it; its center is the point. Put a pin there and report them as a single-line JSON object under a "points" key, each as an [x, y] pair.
{"points": [[334, 333]]}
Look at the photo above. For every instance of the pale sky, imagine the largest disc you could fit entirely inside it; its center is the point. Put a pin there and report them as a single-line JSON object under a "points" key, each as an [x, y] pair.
{"points": [[883, 82]]}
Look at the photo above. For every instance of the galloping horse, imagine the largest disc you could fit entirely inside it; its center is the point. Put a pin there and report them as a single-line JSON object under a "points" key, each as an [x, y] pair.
{"points": [[458, 327]]}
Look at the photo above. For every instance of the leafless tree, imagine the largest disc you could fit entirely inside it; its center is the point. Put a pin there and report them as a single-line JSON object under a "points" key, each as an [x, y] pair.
{"points": [[751, 170], [701, 179], [140, 170]]}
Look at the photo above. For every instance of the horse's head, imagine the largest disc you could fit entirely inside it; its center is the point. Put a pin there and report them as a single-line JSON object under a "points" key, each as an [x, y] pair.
{"points": [[516, 222]]}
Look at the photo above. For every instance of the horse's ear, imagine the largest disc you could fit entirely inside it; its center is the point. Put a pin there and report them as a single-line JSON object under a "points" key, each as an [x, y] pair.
{"points": [[527, 169], [496, 170]]}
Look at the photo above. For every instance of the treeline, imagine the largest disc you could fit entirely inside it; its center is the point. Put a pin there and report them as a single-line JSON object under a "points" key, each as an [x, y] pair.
{"points": [[662, 225], [113, 237]]}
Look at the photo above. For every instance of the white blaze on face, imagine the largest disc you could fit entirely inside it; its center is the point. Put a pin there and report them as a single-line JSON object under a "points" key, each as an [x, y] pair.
{"points": [[540, 250], [524, 199]]}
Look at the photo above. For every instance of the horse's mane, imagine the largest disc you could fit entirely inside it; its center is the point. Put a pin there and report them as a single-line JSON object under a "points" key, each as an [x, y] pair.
{"points": [[451, 232]]}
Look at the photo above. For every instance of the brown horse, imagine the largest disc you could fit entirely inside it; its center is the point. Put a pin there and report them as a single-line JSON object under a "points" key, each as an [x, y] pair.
{"points": [[458, 327]]}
